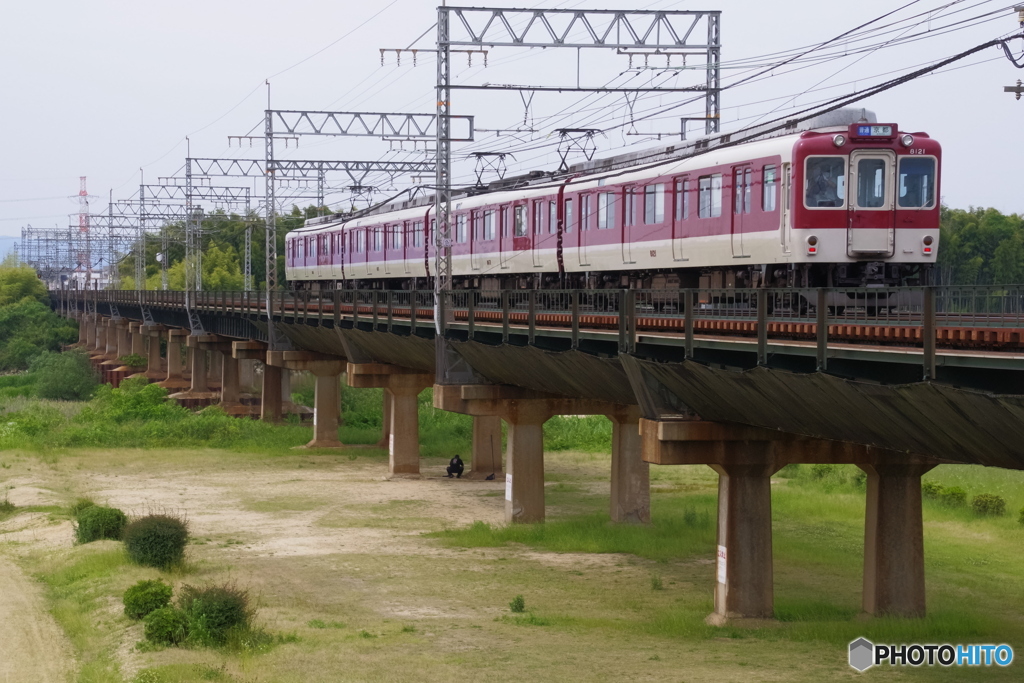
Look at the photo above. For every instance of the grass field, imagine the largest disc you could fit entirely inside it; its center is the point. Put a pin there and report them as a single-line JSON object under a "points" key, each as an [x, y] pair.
{"points": [[362, 579]]}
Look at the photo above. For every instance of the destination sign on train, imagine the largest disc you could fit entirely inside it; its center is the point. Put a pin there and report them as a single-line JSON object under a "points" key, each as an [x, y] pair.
{"points": [[874, 131]]}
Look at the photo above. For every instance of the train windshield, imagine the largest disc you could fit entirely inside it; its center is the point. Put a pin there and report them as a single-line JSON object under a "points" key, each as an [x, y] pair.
{"points": [[917, 182], [826, 182]]}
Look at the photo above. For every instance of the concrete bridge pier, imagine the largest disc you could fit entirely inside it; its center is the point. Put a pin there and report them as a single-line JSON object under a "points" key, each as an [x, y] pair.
{"points": [[631, 476], [403, 387], [327, 398], [200, 394], [138, 339], [245, 354], [124, 338], [525, 413], [154, 362], [745, 459], [385, 430], [894, 541], [110, 340], [96, 343], [84, 328], [175, 380]]}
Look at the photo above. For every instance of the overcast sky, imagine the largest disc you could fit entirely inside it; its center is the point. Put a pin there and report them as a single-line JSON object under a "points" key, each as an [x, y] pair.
{"points": [[102, 89]]}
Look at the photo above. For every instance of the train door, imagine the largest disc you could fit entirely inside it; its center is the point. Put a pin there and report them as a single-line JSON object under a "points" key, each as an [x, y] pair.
{"points": [[871, 218], [586, 208], [742, 196], [522, 241], [388, 252], [537, 225], [475, 237], [408, 241], [680, 213], [786, 213], [504, 218], [629, 196], [366, 242]]}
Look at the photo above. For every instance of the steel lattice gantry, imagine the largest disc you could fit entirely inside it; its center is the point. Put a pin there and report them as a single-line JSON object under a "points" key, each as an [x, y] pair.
{"points": [[696, 32]]}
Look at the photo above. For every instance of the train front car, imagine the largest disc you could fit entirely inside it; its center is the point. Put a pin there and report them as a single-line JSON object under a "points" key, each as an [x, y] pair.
{"points": [[866, 210]]}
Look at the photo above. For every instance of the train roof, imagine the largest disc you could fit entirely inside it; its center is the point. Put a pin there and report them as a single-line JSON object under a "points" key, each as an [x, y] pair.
{"points": [[839, 120]]}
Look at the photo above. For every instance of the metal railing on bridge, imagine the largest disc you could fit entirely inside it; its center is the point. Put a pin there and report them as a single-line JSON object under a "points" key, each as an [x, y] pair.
{"points": [[990, 317]]}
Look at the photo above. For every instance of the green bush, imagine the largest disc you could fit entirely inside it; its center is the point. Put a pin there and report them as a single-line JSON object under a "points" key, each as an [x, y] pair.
{"points": [[988, 504], [76, 508], [1020, 519], [931, 489], [214, 611], [518, 604], [166, 626], [64, 376], [822, 471], [133, 360], [156, 540], [96, 523], [953, 496], [145, 597], [27, 328]]}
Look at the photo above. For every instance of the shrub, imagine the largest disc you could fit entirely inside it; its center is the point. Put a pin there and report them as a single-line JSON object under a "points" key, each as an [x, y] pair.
{"points": [[64, 376], [518, 604], [989, 505], [96, 522], [134, 360], [156, 540], [166, 626], [1020, 519], [822, 471], [213, 611], [76, 508], [931, 489], [953, 496], [145, 597]]}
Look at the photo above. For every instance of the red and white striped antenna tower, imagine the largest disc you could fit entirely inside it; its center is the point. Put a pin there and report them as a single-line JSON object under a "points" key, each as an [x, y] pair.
{"points": [[83, 230]]}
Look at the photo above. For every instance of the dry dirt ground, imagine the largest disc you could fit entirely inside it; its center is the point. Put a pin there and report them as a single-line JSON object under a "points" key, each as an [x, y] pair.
{"points": [[32, 645], [336, 558]]}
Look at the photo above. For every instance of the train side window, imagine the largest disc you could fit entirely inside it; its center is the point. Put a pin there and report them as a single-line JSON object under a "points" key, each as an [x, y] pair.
{"points": [[586, 211], [538, 217], [748, 190], [488, 225], [377, 239], [654, 204], [417, 234], [552, 217], [629, 211], [917, 183], [460, 228], [605, 210], [682, 199], [568, 216], [520, 222], [742, 186], [709, 188], [825, 183], [769, 189]]}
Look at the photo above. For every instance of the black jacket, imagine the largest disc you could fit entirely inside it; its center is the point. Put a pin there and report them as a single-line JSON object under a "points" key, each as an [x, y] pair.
{"points": [[456, 463]]}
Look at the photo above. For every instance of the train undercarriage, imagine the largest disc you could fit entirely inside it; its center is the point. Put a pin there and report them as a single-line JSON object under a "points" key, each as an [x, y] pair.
{"points": [[775, 276]]}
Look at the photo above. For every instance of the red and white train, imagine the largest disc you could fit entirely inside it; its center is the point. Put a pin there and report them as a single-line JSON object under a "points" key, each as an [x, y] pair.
{"points": [[848, 205]]}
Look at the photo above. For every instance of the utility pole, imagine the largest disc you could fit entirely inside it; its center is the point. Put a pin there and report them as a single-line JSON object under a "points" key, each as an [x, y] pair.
{"points": [[1019, 88]]}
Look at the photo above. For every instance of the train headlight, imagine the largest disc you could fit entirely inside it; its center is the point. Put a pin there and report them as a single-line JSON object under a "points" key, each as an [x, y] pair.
{"points": [[812, 245], [927, 241], [907, 140], [839, 140]]}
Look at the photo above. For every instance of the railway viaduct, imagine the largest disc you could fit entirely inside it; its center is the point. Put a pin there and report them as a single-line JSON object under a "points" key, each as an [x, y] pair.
{"points": [[733, 380]]}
